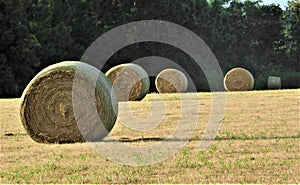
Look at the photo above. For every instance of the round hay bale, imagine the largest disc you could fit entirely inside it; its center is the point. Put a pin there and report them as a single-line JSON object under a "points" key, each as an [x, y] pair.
{"points": [[47, 106], [238, 79], [130, 81], [171, 81], [274, 82]]}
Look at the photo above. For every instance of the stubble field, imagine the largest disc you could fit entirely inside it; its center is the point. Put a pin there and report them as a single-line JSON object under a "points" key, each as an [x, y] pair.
{"points": [[258, 143]]}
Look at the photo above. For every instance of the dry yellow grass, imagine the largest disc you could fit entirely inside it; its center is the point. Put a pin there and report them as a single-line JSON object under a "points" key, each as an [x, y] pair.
{"points": [[258, 143]]}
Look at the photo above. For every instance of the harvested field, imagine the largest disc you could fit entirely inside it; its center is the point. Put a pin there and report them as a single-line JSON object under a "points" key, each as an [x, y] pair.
{"points": [[258, 143]]}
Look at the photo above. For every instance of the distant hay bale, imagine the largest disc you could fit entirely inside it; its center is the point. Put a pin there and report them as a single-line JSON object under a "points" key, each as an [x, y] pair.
{"points": [[46, 107], [274, 82], [130, 81], [171, 81], [238, 79]]}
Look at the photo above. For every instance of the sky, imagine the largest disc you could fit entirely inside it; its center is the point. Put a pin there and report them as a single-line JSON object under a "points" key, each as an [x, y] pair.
{"points": [[282, 3]]}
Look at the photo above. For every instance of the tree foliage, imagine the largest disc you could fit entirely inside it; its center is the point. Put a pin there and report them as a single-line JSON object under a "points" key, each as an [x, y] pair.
{"points": [[262, 38]]}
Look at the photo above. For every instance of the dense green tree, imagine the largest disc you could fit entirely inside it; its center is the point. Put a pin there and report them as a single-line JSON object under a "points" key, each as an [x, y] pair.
{"points": [[291, 26], [18, 48], [49, 24], [261, 29], [262, 38]]}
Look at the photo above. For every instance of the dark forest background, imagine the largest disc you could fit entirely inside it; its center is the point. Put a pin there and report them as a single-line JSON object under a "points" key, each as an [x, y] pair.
{"points": [[262, 38]]}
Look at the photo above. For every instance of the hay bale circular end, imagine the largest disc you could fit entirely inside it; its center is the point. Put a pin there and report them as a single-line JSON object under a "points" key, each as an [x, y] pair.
{"points": [[274, 82], [238, 79], [130, 81], [47, 105], [171, 81]]}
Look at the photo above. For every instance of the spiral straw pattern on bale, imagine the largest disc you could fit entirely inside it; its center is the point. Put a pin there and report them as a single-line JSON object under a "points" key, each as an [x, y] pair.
{"points": [[47, 108], [171, 81], [238, 79], [130, 81], [274, 82]]}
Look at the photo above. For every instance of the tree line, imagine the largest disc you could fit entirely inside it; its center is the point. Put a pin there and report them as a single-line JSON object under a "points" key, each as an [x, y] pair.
{"points": [[265, 39]]}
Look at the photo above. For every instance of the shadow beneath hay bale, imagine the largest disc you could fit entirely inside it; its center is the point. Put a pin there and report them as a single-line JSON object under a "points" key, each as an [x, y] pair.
{"points": [[14, 134], [159, 139]]}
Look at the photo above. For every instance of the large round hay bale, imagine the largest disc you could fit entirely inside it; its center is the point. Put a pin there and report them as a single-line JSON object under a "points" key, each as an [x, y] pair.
{"points": [[238, 79], [274, 82], [130, 81], [47, 105], [171, 81]]}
